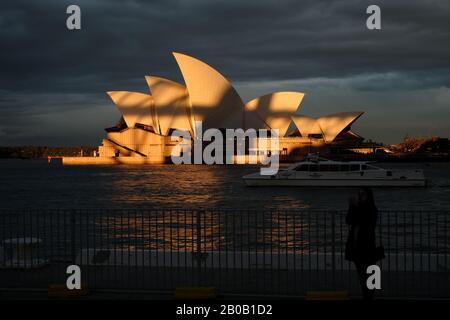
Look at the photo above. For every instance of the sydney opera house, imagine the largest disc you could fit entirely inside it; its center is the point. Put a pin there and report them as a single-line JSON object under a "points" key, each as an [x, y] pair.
{"points": [[143, 133]]}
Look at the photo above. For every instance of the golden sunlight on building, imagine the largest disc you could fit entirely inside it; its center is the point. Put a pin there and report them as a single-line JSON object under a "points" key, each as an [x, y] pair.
{"points": [[143, 133]]}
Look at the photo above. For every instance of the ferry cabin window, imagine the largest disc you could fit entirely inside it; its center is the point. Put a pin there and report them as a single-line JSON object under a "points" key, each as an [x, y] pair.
{"points": [[366, 167], [327, 167], [302, 167]]}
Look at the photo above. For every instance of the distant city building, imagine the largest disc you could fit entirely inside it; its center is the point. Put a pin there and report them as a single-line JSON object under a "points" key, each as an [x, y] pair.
{"points": [[148, 120]]}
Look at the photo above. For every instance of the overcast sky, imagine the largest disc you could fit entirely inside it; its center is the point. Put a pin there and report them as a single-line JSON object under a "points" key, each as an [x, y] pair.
{"points": [[53, 81]]}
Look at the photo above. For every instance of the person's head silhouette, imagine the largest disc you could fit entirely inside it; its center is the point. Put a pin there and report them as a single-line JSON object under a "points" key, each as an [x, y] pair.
{"points": [[365, 197]]}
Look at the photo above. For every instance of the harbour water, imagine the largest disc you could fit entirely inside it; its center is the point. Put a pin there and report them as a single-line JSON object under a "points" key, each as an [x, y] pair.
{"points": [[35, 184], [294, 220]]}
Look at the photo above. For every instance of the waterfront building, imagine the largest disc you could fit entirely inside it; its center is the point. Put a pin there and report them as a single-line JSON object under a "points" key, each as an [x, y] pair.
{"points": [[143, 133]]}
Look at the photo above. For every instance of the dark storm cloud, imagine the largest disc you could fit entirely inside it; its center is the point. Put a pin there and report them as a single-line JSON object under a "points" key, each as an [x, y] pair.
{"points": [[254, 40], [47, 69]]}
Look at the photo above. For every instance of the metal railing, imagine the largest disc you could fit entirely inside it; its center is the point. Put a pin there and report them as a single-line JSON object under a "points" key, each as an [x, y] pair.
{"points": [[236, 251]]}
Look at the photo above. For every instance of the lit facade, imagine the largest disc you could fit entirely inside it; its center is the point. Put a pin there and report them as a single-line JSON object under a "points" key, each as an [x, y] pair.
{"points": [[149, 119]]}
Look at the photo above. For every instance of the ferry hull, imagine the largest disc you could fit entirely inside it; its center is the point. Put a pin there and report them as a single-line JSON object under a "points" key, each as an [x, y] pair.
{"points": [[320, 172], [261, 182]]}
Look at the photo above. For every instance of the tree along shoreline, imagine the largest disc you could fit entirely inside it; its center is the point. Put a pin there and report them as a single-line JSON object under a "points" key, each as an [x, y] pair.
{"points": [[36, 152]]}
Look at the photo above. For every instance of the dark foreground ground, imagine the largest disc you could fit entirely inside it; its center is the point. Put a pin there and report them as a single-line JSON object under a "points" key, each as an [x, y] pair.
{"points": [[160, 283]]}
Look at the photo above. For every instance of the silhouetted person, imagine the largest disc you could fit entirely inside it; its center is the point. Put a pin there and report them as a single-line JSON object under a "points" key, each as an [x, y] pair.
{"points": [[360, 248]]}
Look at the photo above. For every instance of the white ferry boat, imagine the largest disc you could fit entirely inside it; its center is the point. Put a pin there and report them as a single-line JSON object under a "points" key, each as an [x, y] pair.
{"points": [[314, 171]]}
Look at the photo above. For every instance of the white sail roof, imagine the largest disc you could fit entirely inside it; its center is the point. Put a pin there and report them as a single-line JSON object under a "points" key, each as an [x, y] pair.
{"points": [[306, 125], [135, 107], [334, 124], [275, 109], [210, 98], [213, 100], [171, 104]]}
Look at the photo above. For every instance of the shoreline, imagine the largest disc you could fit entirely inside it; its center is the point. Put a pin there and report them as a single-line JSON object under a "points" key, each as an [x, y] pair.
{"points": [[283, 159]]}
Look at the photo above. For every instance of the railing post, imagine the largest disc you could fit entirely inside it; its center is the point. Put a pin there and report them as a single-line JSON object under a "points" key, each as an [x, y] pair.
{"points": [[333, 248], [72, 235], [199, 248]]}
